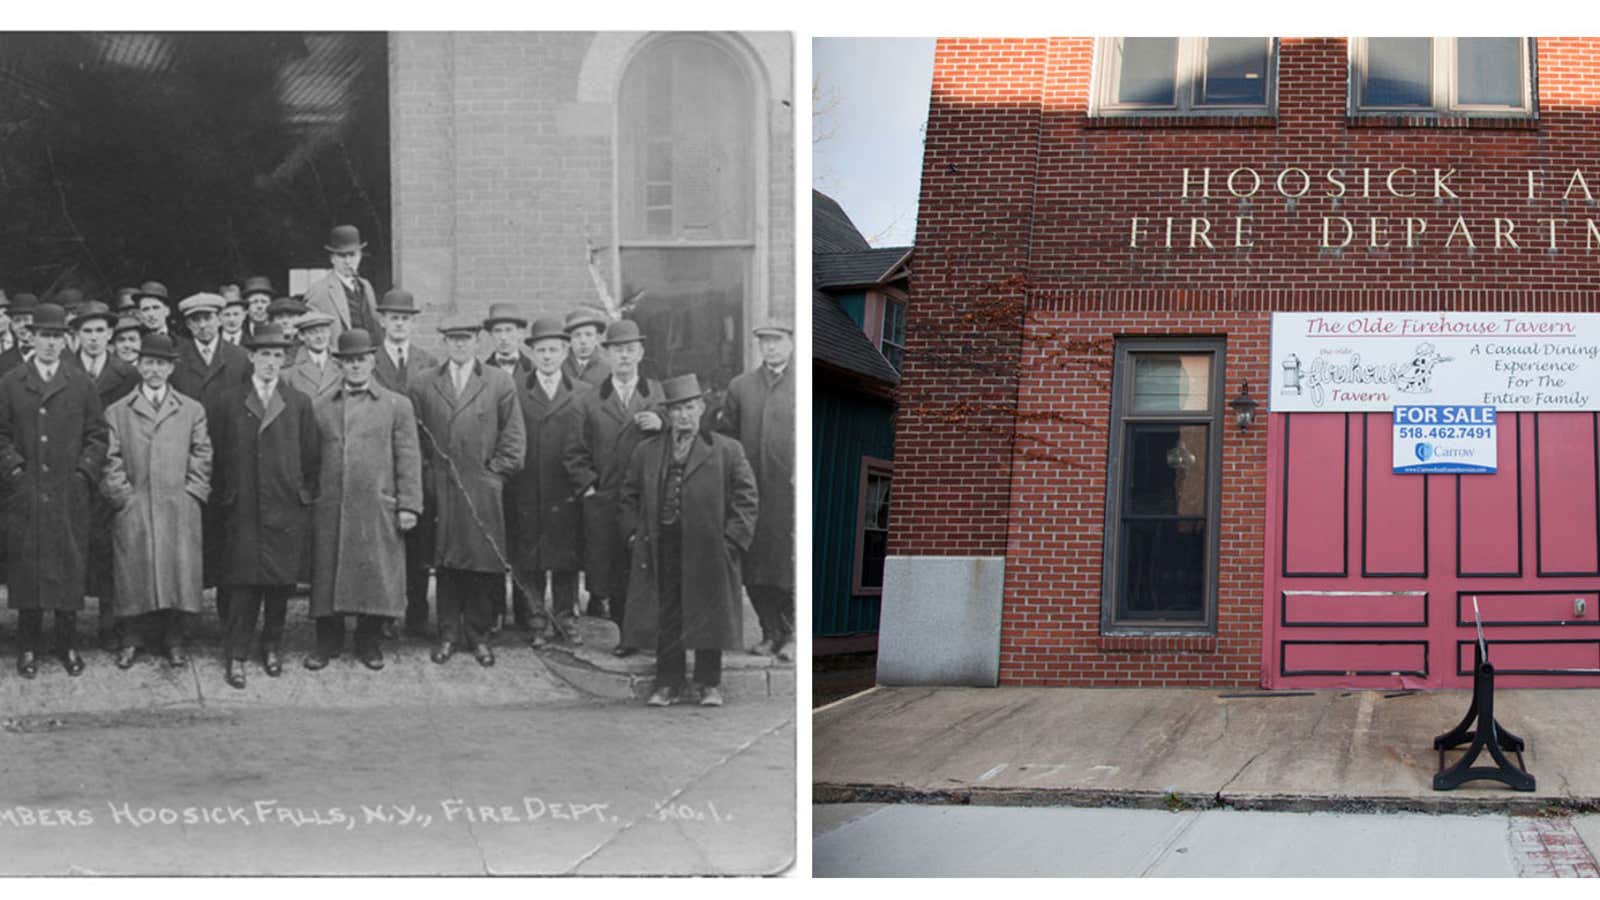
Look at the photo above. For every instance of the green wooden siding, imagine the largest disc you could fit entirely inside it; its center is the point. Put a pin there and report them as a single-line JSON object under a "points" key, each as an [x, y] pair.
{"points": [[845, 427], [855, 306]]}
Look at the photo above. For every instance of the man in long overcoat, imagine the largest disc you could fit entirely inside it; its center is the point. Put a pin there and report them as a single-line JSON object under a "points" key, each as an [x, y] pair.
{"points": [[157, 479], [113, 379], [267, 455], [343, 293], [399, 363], [689, 508], [52, 449], [472, 442], [549, 533], [615, 418], [369, 495], [507, 326], [586, 363], [316, 373], [759, 412]]}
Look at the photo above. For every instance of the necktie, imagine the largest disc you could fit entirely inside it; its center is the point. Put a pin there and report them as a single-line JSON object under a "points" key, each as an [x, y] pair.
{"points": [[400, 363], [205, 355]]}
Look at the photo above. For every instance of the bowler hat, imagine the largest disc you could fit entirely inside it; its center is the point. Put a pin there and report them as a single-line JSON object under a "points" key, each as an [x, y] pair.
{"points": [[547, 328], [257, 284], [268, 337], [152, 289], [159, 346], [398, 301], [772, 326], [353, 343], [623, 332], [585, 315], [200, 303], [237, 299], [505, 312], [24, 304], [49, 318], [343, 239], [458, 325], [128, 322], [286, 306], [94, 309], [680, 389]]}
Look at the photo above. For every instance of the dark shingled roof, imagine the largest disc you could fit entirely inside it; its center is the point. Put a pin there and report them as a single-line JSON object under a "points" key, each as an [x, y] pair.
{"points": [[860, 268], [831, 230], [838, 341]]}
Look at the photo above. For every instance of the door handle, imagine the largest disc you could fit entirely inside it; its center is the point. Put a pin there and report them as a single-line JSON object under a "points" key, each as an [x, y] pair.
{"points": [[1578, 606]]}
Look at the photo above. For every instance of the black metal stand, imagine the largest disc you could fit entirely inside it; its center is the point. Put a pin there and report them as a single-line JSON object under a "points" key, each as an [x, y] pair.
{"points": [[1487, 736]]}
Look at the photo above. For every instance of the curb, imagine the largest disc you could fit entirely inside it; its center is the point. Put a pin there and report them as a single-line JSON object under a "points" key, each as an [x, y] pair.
{"points": [[1177, 801], [737, 683]]}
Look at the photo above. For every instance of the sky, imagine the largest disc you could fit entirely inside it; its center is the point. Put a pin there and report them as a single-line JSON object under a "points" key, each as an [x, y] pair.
{"points": [[872, 101]]}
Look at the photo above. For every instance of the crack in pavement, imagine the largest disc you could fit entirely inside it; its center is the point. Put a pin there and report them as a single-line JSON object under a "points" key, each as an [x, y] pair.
{"points": [[1236, 775], [737, 751]]}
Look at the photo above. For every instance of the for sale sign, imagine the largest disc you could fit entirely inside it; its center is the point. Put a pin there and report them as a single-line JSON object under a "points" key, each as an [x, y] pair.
{"points": [[1444, 440]]}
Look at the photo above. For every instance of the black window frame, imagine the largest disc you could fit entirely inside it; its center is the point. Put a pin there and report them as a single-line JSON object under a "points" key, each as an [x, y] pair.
{"points": [[1122, 416], [1189, 77], [1445, 78]]}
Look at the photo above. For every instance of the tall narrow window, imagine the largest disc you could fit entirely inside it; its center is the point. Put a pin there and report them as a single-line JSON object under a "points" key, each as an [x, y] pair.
{"points": [[1163, 484], [687, 204], [1184, 76], [872, 526], [894, 332], [1483, 76]]}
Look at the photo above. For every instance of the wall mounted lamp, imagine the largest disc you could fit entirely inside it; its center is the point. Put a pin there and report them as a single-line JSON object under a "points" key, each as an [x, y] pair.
{"points": [[1244, 407]]}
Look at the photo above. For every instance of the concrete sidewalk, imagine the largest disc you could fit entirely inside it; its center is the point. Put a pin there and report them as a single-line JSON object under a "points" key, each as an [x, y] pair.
{"points": [[1327, 750]]}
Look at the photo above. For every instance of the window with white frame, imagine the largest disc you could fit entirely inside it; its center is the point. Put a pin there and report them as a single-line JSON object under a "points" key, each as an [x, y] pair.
{"points": [[872, 526], [1185, 76], [893, 342], [1476, 76]]}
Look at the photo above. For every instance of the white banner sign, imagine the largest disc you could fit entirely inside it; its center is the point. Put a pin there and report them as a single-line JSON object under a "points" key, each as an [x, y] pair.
{"points": [[1371, 362], [1444, 440]]}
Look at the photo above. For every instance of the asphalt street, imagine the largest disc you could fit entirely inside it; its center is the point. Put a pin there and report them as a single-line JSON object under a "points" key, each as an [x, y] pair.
{"points": [[908, 840]]}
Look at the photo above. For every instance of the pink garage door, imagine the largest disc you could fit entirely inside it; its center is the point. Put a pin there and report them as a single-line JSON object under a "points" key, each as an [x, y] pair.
{"points": [[1371, 576]]}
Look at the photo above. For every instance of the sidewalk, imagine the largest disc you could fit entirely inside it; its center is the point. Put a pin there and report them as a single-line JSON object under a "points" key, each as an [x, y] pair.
{"points": [[1327, 750]]}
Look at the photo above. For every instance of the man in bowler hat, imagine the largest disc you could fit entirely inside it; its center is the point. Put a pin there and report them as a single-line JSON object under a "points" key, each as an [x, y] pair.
{"points": [[344, 294], [506, 326], [399, 363]]}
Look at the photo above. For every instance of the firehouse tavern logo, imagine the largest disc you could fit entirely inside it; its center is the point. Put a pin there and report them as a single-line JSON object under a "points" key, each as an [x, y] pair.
{"points": [[1343, 378]]}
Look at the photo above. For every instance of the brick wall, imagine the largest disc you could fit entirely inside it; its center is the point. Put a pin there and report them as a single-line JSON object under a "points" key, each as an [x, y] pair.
{"points": [[1025, 278]]}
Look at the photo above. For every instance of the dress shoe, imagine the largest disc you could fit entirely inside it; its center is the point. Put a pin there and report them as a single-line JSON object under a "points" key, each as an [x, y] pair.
{"points": [[483, 655], [72, 662], [711, 695], [235, 674], [316, 661], [27, 665], [764, 648], [664, 695], [373, 661], [622, 652], [126, 657], [176, 657], [272, 662], [443, 652]]}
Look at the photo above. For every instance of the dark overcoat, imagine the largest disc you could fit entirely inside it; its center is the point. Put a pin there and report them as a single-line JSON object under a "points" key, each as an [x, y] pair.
{"points": [[266, 478], [158, 474], [56, 434], [230, 367], [594, 374], [116, 380], [597, 456], [471, 446], [719, 509], [544, 520], [371, 470], [418, 362], [759, 412]]}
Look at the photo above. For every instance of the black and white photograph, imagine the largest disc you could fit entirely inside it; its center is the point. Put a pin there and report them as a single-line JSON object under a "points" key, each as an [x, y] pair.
{"points": [[397, 453]]}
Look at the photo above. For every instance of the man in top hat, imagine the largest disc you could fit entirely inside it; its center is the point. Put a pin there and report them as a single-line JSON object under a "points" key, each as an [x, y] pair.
{"points": [[157, 478], [267, 463], [689, 510], [113, 379], [21, 350], [344, 294], [399, 363], [615, 418], [258, 294], [314, 373], [586, 326], [759, 412], [547, 536], [52, 448], [155, 307], [507, 326], [472, 442], [369, 497], [126, 337], [233, 317]]}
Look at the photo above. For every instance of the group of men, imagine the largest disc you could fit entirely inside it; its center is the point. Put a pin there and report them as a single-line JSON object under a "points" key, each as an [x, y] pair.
{"points": [[281, 444]]}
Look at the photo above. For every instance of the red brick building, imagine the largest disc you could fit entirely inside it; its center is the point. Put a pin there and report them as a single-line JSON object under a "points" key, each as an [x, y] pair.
{"points": [[1106, 229]]}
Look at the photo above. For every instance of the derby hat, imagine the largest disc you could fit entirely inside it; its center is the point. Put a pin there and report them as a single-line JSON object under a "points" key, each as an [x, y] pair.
{"points": [[94, 309], [505, 312], [398, 301], [24, 304], [344, 238], [201, 303], [353, 343], [586, 315], [623, 332], [316, 318], [268, 337], [237, 299], [458, 325], [286, 306], [152, 289], [772, 326], [159, 346], [681, 389], [128, 322], [257, 284], [545, 329], [49, 318]]}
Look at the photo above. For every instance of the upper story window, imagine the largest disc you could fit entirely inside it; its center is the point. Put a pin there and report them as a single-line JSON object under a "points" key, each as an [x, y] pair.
{"points": [[1477, 76], [893, 343], [1145, 76]]}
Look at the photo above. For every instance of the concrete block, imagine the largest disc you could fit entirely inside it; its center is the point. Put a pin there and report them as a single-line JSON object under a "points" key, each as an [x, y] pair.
{"points": [[941, 620]]}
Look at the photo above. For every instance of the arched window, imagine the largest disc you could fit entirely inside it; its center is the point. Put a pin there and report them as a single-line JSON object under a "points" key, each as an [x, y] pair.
{"points": [[686, 204]]}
